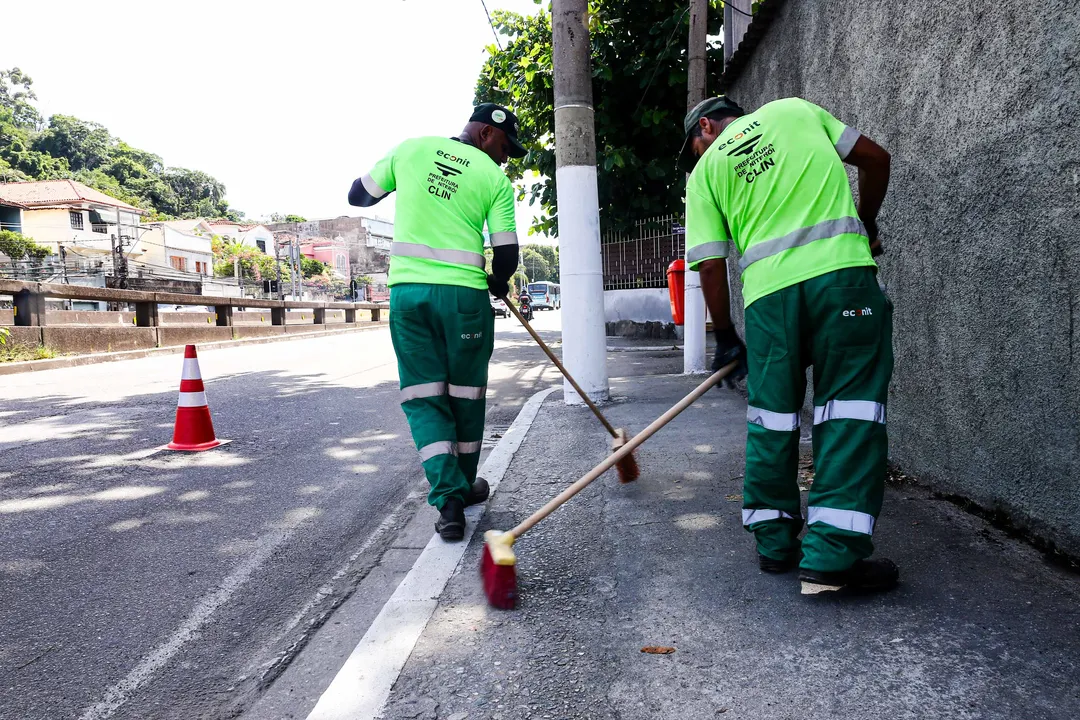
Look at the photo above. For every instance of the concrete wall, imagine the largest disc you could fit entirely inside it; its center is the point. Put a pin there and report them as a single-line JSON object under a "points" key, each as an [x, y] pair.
{"points": [[977, 102], [640, 306]]}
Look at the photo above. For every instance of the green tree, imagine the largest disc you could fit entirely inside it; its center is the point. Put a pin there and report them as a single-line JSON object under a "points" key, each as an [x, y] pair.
{"points": [[639, 95], [17, 95], [311, 267], [536, 265], [85, 145], [19, 247]]}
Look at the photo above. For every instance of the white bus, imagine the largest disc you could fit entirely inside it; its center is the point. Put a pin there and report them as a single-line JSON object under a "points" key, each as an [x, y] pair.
{"points": [[545, 295]]}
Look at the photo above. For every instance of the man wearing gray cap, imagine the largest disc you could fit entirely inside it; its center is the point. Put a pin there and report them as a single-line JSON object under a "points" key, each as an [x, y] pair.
{"points": [[772, 184]]}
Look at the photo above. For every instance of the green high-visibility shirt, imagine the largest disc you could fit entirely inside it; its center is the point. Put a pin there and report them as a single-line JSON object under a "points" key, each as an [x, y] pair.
{"points": [[446, 192], [774, 185]]}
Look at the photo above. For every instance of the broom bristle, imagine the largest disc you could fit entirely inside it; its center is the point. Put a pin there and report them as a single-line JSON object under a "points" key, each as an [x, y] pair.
{"points": [[500, 580], [627, 467]]}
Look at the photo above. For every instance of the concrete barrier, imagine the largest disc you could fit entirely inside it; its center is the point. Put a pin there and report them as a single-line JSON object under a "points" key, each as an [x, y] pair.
{"points": [[192, 334], [187, 318], [74, 339], [25, 336], [249, 331]]}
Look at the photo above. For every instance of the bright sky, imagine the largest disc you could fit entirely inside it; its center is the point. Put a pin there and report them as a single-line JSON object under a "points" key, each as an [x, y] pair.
{"points": [[284, 103]]}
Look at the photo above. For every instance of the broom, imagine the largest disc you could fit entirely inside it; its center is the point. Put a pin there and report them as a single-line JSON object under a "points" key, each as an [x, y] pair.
{"points": [[627, 467], [497, 564]]}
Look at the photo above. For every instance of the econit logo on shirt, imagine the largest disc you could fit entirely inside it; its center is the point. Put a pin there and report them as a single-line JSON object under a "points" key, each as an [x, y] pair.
{"points": [[858, 312], [441, 184]]}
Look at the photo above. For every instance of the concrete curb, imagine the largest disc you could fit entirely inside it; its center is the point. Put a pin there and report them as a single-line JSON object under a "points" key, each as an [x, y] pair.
{"points": [[15, 368]]}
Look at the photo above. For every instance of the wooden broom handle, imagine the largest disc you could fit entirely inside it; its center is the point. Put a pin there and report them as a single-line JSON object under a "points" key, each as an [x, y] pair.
{"points": [[622, 452], [551, 356]]}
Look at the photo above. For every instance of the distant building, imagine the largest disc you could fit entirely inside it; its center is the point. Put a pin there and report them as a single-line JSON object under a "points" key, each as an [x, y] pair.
{"points": [[67, 213], [182, 246], [350, 245], [250, 234]]}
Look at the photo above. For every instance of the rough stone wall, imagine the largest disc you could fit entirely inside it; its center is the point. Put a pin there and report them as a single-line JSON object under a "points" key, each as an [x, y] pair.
{"points": [[979, 104]]}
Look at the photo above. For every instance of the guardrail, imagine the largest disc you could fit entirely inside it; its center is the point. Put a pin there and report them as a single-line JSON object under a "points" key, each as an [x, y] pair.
{"points": [[30, 299]]}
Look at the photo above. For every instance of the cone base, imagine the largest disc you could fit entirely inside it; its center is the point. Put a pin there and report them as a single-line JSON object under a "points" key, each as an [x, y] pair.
{"points": [[182, 447]]}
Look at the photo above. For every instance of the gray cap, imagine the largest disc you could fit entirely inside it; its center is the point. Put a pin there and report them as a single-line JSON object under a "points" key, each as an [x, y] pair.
{"points": [[704, 108]]}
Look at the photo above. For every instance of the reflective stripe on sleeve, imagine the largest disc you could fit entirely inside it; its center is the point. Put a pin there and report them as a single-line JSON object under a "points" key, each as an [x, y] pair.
{"points": [[749, 517], [467, 448], [716, 248], [503, 238], [372, 187], [852, 520], [424, 390], [847, 141], [468, 392], [458, 257], [781, 422], [800, 237], [442, 447], [850, 410]]}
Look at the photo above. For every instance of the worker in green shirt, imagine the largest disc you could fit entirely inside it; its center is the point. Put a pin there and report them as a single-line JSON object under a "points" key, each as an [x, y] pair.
{"points": [[772, 184], [441, 321]]}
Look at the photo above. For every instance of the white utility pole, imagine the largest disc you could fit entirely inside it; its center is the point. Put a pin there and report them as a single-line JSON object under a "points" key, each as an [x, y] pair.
{"points": [[693, 299], [584, 334]]}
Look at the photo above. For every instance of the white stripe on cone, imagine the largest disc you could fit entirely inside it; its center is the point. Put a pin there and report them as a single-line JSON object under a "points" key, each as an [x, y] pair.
{"points": [[192, 399], [191, 369]]}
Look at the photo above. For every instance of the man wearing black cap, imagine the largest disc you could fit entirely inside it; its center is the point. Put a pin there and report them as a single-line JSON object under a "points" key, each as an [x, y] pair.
{"points": [[441, 322], [772, 184]]}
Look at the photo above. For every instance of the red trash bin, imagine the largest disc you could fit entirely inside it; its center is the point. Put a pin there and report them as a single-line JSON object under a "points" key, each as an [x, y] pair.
{"points": [[675, 273]]}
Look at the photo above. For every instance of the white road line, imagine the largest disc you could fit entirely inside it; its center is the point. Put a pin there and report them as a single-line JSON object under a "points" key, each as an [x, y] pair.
{"points": [[328, 587], [119, 693], [360, 689]]}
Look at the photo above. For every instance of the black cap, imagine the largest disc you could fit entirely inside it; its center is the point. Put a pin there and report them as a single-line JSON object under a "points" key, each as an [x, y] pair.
{"points": [[499, 117], [708, 106]]}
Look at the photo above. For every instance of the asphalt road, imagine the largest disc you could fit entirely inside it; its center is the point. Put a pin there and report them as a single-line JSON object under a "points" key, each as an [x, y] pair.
{"points": [[164, 585]]}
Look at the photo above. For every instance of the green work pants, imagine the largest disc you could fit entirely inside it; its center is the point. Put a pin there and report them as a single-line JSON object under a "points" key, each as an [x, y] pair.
{"points": [[443, 336], [841, 324]]}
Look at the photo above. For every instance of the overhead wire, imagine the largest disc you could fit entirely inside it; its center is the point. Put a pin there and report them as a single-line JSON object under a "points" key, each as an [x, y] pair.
{"points": [[498, 43]]}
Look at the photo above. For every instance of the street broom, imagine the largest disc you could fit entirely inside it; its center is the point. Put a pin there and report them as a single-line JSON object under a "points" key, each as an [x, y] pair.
{"points": [[627, 466], [497, 564]]}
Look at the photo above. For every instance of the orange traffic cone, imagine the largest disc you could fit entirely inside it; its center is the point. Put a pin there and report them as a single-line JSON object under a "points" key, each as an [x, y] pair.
{"points": [[194, 431]]}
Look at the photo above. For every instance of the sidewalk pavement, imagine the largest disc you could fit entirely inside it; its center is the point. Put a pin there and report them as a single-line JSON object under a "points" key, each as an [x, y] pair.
{"points": [[981, 626]]}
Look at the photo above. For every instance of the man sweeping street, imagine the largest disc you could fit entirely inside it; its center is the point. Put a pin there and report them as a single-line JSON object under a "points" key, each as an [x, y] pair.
{"points": [[772, 183], [441, 322]]}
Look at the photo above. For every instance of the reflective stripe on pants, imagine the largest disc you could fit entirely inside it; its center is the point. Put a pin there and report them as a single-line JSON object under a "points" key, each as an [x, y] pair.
{"points": [[852, 520]]}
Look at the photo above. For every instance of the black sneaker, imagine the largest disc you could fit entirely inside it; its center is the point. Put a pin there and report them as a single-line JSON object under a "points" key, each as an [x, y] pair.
{"points": [[865, 576], [451, 522], [767, 564], [478, 493]]}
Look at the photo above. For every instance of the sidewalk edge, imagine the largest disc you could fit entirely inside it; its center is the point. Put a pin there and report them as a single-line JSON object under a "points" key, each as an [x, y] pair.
{"points": [[361, 687], [16, 368]]}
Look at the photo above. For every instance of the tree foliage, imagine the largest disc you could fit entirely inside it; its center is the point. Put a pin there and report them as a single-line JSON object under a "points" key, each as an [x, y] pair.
{"points": [[639, 70], [283, 218], [255, 265], [541, 262], [311, 267], [68, 147], [19, 247]]}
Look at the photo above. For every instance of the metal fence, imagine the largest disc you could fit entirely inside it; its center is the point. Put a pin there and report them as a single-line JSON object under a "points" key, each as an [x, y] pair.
{"points": [[640, 257]]}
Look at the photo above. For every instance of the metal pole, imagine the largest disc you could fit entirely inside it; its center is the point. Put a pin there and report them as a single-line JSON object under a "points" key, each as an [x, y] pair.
{"points": [[277, 264], [580, 269], [693, 298]]}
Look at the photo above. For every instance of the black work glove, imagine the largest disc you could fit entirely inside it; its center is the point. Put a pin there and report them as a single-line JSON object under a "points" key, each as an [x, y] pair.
{"points": [[498, 288], [872, 234], [729, 348]]}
